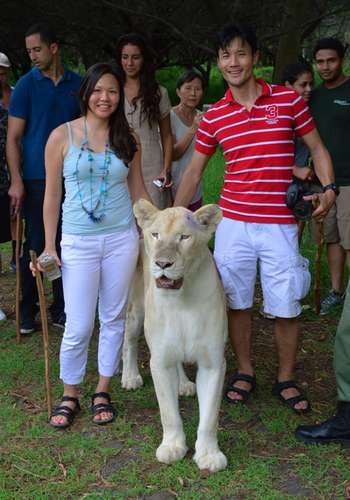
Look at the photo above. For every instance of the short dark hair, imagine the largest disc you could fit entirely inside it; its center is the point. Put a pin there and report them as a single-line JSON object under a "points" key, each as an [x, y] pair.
{"points": [[292, 71], [46, 32], [121, 138], [330, 43], [230, 32], [188, 76]]}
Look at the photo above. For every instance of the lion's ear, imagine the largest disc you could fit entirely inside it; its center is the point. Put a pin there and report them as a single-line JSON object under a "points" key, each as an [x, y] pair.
{"points": [[208, 217], [144, 212]]}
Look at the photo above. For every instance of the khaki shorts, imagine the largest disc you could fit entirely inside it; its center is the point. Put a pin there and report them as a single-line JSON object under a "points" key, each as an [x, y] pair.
{"points": [[336, 225]]}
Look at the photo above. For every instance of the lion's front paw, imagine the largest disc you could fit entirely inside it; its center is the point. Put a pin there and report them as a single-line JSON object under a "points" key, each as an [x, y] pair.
{"points": [[133, 382], [169, 454], [187, 388], [212, 461]]}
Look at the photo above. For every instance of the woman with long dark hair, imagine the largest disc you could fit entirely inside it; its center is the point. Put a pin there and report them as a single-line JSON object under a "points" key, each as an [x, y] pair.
{"points": [[147, 109], [98, 157]]}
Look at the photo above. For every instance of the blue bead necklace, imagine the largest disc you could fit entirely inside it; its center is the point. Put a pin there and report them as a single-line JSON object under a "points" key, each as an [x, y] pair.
{"points": [[101, 200]]}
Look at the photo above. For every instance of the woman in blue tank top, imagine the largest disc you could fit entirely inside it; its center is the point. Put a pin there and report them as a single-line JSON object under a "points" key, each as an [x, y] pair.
{"points": [[99, 159]]}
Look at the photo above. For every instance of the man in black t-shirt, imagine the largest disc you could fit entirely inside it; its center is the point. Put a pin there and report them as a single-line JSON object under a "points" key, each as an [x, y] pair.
{"points": [[330, 107]]}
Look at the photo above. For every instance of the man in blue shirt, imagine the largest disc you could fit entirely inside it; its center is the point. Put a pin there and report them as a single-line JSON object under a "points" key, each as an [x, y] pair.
{"points": [[42, 100]]}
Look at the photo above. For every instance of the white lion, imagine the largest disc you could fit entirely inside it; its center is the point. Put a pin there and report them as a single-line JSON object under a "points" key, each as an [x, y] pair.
{"points": [[185, 322]]}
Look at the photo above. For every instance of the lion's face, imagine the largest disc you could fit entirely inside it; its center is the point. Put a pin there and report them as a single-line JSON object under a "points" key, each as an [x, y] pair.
{"points": [[175, 239]]}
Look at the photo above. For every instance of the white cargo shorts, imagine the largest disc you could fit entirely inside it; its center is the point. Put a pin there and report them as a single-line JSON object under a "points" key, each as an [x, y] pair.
{"points": [[285, 279]]}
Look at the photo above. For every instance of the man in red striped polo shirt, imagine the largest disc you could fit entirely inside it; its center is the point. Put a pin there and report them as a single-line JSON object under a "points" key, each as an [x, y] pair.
{"points": [[255, 124]]}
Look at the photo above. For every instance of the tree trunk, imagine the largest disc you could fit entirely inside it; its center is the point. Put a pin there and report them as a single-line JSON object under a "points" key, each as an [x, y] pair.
{"points": [[295, 14]]}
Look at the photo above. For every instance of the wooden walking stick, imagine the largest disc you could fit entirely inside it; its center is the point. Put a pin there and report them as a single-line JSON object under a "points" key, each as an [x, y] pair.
{"points": [[18, 274], [43, 315], [317, 286]]}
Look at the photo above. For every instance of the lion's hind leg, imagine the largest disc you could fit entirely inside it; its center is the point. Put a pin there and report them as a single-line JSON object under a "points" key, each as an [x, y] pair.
{"points": [[131, 378], [186, 387]]}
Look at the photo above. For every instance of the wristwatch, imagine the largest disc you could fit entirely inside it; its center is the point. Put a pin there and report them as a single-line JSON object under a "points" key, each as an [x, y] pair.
{"points": [[331, 186]]}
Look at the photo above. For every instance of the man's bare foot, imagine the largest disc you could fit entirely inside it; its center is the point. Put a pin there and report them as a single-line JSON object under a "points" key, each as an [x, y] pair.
{"points": [[288, 392], [292, 393]]}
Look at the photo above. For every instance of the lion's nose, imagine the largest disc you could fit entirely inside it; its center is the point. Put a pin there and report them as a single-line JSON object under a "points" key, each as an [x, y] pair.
{"points": [[163, 264]]}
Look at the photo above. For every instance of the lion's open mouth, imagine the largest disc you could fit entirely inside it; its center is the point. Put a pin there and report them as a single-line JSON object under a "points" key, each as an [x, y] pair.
{"points": [[164, 282]]}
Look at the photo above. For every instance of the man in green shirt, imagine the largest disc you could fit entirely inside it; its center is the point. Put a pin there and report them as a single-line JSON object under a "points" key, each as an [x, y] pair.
{"points": [[331, 110], [330, 107]]}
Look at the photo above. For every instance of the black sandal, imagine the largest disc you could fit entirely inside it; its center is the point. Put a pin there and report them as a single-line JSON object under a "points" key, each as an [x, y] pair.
{"points": [[99, 408], [291, 402], [65, 411], [251, 379]]}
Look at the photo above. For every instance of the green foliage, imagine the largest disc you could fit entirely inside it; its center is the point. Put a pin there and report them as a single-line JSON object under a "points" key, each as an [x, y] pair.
{"points": [[264, 72]]}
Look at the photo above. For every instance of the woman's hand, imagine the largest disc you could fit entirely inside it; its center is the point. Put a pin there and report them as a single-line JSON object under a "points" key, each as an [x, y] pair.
{"points": [[45, 253], [196, 121], [165, 178]]}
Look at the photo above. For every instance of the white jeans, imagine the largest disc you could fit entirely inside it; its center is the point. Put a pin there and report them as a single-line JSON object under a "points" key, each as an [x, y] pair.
{"points": [[95, 268], [284, 274]]}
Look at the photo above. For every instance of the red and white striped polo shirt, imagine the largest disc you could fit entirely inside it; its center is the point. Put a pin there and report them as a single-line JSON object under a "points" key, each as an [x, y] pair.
{"points": [[259, 151]]}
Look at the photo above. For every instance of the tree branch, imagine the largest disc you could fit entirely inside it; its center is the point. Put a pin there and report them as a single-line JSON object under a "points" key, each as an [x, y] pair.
{"points": [[160, 20]]}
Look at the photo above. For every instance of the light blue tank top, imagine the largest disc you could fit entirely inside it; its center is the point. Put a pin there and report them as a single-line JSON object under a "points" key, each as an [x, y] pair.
{"points": [[117, 207]]}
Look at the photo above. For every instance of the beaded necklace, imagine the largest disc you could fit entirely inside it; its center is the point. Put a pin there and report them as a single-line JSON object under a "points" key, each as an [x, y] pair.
{"points": [[104, 178]]}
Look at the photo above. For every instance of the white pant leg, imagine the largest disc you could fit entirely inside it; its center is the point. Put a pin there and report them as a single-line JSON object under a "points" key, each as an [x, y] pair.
{"points": [[81, 277], [117, 269]]}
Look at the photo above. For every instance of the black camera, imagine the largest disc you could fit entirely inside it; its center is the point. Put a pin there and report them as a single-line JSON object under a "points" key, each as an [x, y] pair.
{"points": [[302, 209]]}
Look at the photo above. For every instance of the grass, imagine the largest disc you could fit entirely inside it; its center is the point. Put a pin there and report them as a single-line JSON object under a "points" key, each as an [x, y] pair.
{"points": [[118, 461]]}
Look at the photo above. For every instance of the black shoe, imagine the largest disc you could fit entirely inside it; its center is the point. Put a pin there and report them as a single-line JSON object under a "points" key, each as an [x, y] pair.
{"points": [[60, 321], [334, 430], [27, 326]]}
